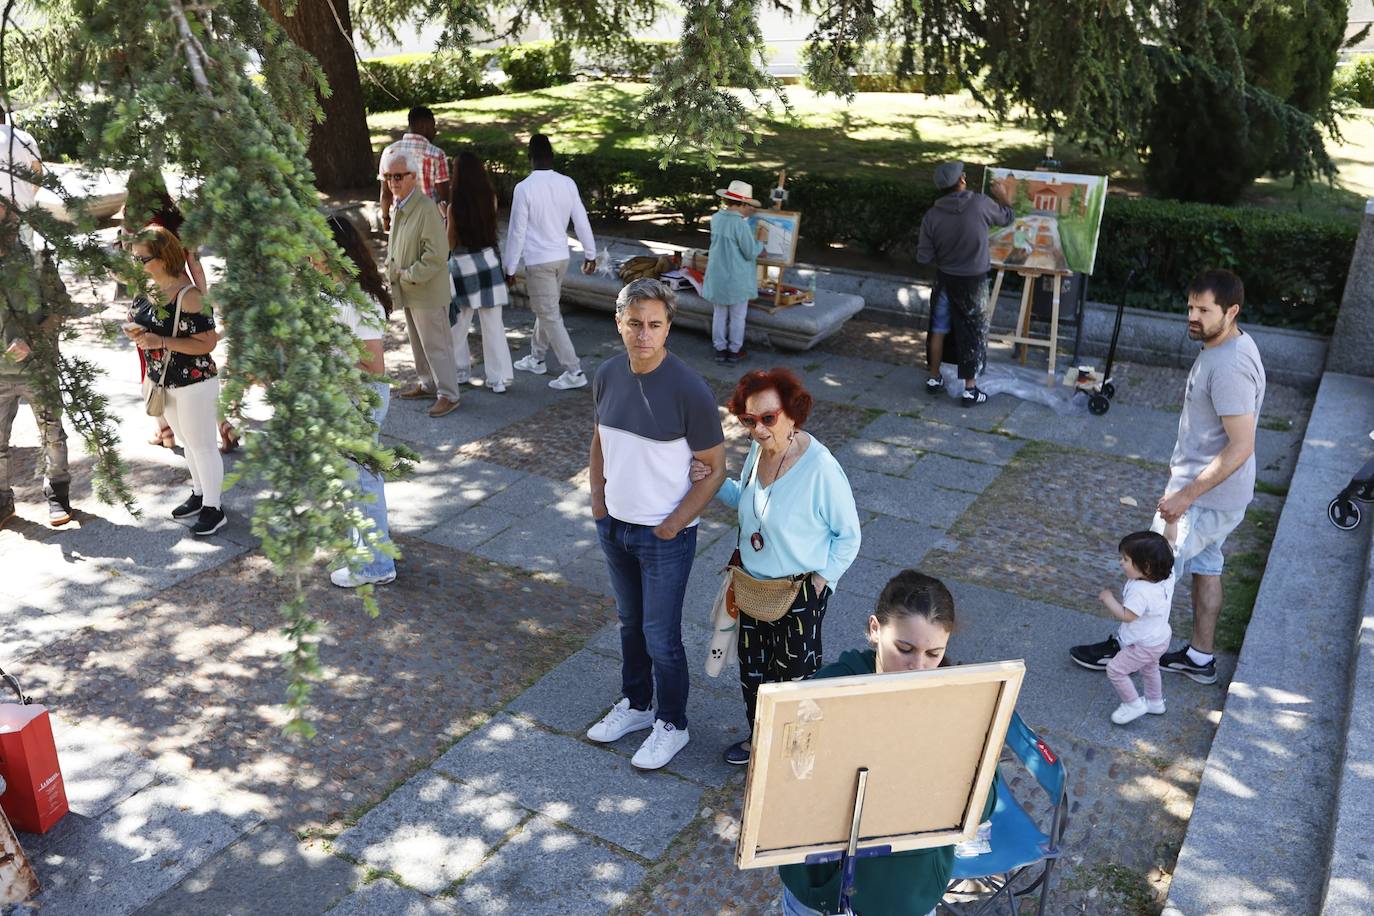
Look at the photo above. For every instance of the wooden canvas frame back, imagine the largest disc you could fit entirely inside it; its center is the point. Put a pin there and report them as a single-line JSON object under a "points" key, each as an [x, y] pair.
{"points": [[930, 739]]}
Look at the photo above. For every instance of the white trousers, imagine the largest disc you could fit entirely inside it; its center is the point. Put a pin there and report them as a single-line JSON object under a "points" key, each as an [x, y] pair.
{"points": [[193, 413], [727, 326], [544, 283], [496, 364]]}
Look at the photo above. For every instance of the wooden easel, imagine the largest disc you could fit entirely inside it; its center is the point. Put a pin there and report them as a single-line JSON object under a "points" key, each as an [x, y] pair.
{"points": [[1021, 332], [762, 270]]}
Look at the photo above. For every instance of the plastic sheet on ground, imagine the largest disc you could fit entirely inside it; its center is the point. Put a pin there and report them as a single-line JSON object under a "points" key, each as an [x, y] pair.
{"points": [[1020, 382]]}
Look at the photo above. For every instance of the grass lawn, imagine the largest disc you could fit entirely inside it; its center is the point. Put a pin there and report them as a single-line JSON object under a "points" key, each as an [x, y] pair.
{"points": [[899, 135]]}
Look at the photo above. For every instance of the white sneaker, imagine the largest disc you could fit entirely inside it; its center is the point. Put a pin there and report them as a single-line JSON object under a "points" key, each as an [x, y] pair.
{"points": [[620, 721], [347, 578], [660, 747], [497, 387], [531, 365], [569, 380], [1129, 712], [1154, 707]]}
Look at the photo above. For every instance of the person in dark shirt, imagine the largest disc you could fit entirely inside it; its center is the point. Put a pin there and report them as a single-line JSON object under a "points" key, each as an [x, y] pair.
{"points": [[954, 237]]}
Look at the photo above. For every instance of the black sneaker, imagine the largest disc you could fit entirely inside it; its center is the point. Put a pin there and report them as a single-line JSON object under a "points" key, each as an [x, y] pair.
{"points": [[737, 356], [934, 385], [973, 396], [210, 521], [1179, 663], [59, 503], [189, 508], [1096, 655], [737, 754], [722, 356]]}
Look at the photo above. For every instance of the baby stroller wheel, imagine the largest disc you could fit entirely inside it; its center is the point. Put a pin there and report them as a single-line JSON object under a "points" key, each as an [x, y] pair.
{"points": [[1344, 513], [1098, 404], [1109, 390]]}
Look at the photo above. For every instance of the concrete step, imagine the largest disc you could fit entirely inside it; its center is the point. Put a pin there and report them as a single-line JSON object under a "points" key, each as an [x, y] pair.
{"points": [[1257, 841]]}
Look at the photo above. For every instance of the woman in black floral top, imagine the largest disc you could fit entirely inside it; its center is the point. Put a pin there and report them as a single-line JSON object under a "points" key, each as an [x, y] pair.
{"points": [[180, 357]]}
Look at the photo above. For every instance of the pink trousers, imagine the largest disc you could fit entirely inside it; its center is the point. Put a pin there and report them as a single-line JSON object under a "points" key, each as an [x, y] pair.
{"points": [[1131, 659]]}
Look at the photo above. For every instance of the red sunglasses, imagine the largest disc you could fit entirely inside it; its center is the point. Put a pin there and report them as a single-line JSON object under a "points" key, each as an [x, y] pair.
{"points": [[750, 421]]}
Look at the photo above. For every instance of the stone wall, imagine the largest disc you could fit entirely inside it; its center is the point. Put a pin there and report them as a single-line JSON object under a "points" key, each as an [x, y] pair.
{"points": [[1352, 344]]}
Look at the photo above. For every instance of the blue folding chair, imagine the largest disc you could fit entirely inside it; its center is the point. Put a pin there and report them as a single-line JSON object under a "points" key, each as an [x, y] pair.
{"points": [[1017, 844]]}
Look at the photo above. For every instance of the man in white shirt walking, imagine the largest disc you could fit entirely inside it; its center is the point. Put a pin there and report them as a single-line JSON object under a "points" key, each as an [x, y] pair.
{"points": [[539, 214]]}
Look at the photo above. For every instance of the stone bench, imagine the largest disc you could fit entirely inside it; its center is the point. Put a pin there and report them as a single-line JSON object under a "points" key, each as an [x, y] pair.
{"points": [[797, 328]]}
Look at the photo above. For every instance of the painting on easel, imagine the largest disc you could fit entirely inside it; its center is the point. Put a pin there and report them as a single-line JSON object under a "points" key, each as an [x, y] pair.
{"points": [[1058, 221], [780, 245]]}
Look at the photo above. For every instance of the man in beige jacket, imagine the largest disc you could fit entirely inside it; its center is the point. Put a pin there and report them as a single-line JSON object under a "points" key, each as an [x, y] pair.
{"points": [[417, 266]]}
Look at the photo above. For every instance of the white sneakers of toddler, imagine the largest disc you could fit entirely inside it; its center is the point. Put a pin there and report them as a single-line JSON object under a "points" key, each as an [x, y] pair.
{"points": [[1129, 712]]}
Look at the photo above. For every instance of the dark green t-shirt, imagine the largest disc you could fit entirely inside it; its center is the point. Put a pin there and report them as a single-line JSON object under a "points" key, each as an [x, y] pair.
{"points": [[902, 884]]}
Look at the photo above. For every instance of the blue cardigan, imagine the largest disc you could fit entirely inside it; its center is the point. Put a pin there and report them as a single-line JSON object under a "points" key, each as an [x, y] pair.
{"points": [[809, 521]]}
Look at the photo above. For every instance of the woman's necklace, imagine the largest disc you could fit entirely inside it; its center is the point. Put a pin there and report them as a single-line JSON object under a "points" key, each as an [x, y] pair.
{"points": [[756, 539]]}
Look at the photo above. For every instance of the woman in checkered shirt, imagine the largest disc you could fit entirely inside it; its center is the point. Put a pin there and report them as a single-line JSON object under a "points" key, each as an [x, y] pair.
{"points": [[479, 278]]}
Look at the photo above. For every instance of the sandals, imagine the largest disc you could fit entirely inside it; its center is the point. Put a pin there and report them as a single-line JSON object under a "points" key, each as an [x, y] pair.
{"points": [[228, 438], [164, 437], [973, 396]]}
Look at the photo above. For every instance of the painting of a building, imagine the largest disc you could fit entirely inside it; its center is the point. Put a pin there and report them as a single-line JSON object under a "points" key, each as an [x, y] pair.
{"points": [[1058, 218]]}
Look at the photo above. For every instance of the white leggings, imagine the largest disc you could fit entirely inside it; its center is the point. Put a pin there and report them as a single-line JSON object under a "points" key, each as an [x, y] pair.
{"points": [[193, 412]]}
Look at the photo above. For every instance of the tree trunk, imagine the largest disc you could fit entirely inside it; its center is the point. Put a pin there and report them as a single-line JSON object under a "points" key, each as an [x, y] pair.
{"points": [[340, 147]]}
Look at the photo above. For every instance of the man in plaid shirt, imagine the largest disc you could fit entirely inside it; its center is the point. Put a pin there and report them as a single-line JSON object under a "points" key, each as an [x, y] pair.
{"points": [[419, 142]]}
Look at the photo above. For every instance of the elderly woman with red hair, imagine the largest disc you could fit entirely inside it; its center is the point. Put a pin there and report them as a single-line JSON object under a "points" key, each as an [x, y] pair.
{"points": [[797, 521]]}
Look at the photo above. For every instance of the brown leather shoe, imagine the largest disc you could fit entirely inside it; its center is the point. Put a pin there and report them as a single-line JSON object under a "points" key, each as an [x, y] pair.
{"points": [[443, 407], [415, 393]]}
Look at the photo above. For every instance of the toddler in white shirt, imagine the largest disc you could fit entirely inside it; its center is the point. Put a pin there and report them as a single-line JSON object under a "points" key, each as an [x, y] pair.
{"points": [[1147, 559]]}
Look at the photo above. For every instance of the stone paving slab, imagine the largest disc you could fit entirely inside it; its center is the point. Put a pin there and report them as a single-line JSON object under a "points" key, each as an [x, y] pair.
{"points": [[382, 898], [572, 782], [912, 499], [431, 831], [97, 771], [547, 870], [141, 847], [896, 541], [954, 474], [877, 457], [923, 435], [545, 540], [267, 872], [438, 492]]}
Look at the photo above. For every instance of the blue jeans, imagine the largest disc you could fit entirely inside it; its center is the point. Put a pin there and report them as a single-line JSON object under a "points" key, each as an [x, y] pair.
{"points": [[939, 312], [649, 577], [371, 485]]}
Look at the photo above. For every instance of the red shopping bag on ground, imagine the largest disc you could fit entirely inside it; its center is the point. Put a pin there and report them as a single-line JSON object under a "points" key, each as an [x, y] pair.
{"points": [[35, 798]]}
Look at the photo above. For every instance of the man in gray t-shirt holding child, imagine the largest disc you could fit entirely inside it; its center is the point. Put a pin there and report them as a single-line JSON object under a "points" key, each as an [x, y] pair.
{"points": [[1212, 471]]}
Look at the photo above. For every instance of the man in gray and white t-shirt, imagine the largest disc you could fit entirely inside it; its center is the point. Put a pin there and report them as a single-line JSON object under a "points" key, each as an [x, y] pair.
{"points": [[1212, 471]]}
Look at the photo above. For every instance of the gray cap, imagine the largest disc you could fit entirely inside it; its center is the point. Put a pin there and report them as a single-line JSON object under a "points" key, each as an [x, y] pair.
{"points": [[947, 174]]}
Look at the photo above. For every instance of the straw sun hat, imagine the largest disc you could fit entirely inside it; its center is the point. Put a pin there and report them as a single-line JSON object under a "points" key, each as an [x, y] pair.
{"points": [[739, 192]]}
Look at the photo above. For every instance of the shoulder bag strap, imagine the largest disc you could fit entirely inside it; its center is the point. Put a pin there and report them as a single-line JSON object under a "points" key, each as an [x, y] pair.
{"points": [[176, 320]]}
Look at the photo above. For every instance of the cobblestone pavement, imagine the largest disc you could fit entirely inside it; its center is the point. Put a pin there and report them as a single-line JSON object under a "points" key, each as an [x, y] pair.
{"points": [[450, 773]]}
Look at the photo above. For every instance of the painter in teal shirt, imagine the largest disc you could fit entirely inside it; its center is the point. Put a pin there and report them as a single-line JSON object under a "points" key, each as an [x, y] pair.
{"points": [[731, 268]]}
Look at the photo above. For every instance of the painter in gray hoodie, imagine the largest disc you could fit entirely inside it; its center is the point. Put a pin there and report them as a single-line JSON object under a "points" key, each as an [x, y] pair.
{"points": [[954, 237]]}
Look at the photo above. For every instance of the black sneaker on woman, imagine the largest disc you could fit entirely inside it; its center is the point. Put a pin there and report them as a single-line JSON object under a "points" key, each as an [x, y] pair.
{"points": [[973, 396], [189, 508], [210, 521], [737, 754]]}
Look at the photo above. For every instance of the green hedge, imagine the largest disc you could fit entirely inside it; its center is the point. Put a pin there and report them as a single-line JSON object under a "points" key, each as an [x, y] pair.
{"points": [[1294, 266], [536, 65], [403, 81], [1355, 81]]}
